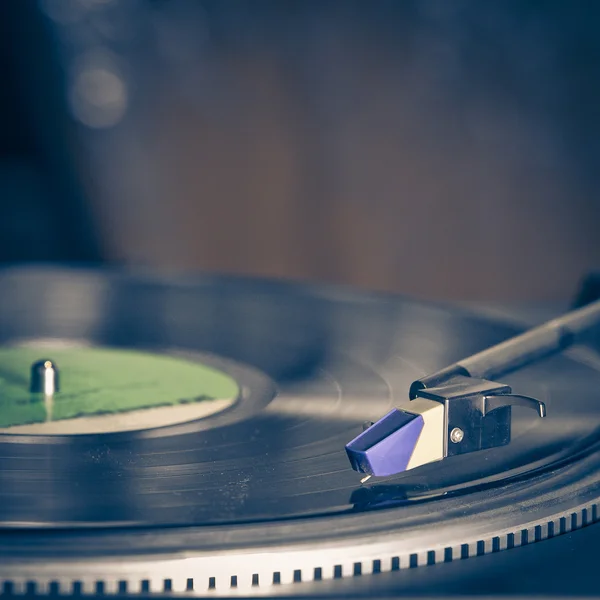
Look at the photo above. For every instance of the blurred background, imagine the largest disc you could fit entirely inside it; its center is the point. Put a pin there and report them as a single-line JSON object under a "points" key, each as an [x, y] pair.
{"points": [[444, 149]]}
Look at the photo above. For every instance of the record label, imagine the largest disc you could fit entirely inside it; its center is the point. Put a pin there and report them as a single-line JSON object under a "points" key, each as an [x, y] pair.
{"points": [[105, 390]]}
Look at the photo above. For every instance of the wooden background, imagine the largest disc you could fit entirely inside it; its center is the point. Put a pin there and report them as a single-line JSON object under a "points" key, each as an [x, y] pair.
{"points": [[444, 149]]}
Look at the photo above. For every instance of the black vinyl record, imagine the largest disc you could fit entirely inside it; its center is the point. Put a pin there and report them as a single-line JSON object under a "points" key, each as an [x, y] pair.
{"points": [[311, 364]]}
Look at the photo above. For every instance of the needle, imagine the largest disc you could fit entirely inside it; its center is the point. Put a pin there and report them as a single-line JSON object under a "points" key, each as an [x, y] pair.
{"points": [[365, 479]]}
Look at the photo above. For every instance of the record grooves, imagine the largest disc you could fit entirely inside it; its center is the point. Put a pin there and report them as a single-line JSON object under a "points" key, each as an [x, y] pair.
{"points": [[259, 493]]}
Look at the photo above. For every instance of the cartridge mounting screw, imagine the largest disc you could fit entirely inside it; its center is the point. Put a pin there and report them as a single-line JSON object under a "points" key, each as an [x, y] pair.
{"points": [[457, 435]]}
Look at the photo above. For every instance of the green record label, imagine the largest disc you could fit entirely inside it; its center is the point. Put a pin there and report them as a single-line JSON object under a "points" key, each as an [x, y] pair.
{"points": [[105, 390]]}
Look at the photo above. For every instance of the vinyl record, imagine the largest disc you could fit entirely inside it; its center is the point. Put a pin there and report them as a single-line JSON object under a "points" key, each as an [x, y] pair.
{"points": [[208, 417]]}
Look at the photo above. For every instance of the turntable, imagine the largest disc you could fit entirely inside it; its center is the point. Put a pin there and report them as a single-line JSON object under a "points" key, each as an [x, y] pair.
{"points": [[202, 436]]}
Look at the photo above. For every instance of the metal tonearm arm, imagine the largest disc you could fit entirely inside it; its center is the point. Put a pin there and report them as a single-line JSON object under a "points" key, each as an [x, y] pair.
{"points": [[461, 409]]}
